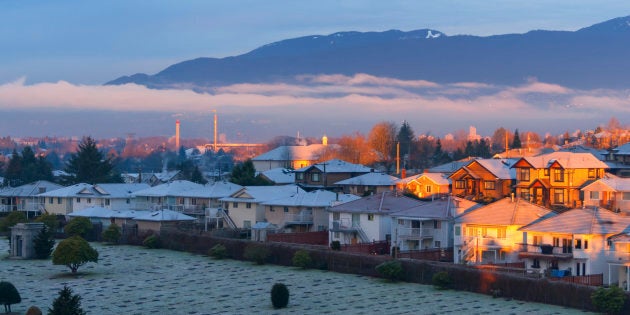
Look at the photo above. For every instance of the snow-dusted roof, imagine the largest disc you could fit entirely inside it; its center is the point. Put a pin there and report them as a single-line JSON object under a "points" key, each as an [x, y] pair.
{"points": [[218, 189], [174, 188], [438, 178], [69, 191], [280, 175], [623, 149], [162, 216], [370, 179], [92, 212], [316, 198], [109, 190], [293, 152], [567, 160], [501, 168], [337, 166], [582, 221], [165, 176], [451, 167], [385, 202], [613, 182], [437, 209], [505, 212], [262, 194], [28, 190]]}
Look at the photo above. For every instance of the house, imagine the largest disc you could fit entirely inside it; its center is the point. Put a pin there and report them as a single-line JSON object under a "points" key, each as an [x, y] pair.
{"points": [[609, 192], [279, 176], [304, 211], [164, 196], [367, 219], [484, 180], [25, 197], [554, 180], [165, 177], [425, 185], [154, 220], [206, 199], [576, 242], [619, 261], [324, 175], [246, 206], [368, 184], [66, 200], [428, 225], [291, 156], [489, 234], [618, 159]]}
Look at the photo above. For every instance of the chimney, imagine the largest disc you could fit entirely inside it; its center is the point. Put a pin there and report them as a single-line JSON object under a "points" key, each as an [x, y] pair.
{"points": [[176, 135], [403, 173]]}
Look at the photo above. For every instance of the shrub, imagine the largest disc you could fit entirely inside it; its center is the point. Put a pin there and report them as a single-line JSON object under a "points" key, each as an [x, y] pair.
{"points": [[43, 243], [256, 253], [335, 245], [66, 303], [12, 219], [73, 253], [112, 234], [609, 301], [8, 295], [152, 241], [279, 295], [302, 259], [80, 226], [391, 270], [442, 280], [33, 310], [218, 251], [50, 220]]}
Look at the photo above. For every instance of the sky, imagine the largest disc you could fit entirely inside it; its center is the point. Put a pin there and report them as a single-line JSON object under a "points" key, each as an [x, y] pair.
{"points": [[56, 55]]}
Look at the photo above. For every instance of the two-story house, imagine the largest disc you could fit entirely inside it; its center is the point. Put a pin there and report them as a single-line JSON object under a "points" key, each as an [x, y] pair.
{"points": [[554, 180], [291, 156], [576, 242], [66, 200], [304, 211], [324, 175], [609, 192], [367, 219], [489, 234], [484, 180], [165, 196], [368, 184], [425, 185], [25, 198]]}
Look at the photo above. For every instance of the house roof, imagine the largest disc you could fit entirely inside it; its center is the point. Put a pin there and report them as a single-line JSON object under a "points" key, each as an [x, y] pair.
{"points": [[623, 149], [174, 188], [566, 160], [505, 212], [582, 221], [217, 189], [437, 209], [315, 198], [385, 202], [69, 191], [293, 152], [501, 168], [611, 182], [28, 190], [165, 176], [370, 179], [164, 215], [262, 194], [109, 190], [450, 167], [92, 212], [337, 166], [280, 175], [438, 178], [160, 215]]}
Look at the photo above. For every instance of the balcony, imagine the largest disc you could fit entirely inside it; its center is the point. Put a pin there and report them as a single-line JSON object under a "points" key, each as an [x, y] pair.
{"points": [[545, 251], [298, 218], [415, 233], [344, 225], [29, 206]]}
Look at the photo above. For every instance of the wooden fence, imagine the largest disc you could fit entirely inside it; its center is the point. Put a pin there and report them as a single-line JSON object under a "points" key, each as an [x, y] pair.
{"points": [[374, 248], [590, 280], [312, 238], [436, 254]]}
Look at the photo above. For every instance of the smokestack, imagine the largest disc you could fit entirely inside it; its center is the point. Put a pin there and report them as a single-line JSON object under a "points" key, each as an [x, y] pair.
{"points": [[215, 131], [176, 135]]}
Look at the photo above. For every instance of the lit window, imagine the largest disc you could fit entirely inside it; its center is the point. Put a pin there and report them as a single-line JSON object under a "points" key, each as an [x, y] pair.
{"points": [[558, 175], [460, 184], [489, 185], [591, 173], [523, 174]]}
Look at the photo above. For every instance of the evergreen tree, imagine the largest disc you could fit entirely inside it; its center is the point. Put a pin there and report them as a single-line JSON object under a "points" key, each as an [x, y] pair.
{"points": [[245, 175], [9, 295], [89, 165], [66, 303], [197, 177], [516, 143], [13, 174], [407, 140], [43, 243]]}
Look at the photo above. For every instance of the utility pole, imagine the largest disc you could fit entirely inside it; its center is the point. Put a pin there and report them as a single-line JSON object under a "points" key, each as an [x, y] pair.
{"points": [[398, 157]]}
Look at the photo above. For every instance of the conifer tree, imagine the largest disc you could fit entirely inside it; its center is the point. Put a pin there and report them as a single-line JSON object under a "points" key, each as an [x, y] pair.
{"points": [[43, 243], [66, 303], [89, 165], [516, 143]]}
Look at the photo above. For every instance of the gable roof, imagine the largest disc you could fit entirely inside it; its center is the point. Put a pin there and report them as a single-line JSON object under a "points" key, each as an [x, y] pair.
{"points": [[108, 190], [315, 198], [437, 209], [582, 221], [438, 178], [218, 189], [611, 183], [174, 188], [69, 191], [280, 175], [566, 160], [385, 202], [505, 212], [337, 166], [370, 179], [30, 189], [262, 194], [501, 168], [450, 167], [623, 149]]}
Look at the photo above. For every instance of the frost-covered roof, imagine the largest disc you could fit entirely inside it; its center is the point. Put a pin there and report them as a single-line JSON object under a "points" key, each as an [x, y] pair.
{"points": [[623, 149], [385, 202], [93, 212], [280, 175], [438, 178], [217, 189], [109, 190], [505, 212], [451, 167], [316, 198], [337, 166], [293, 152], [370, 179], [69, 191], [567, 160], [501, 168], [582, 221], [28, 190], [613, 182], [262, 194], [437, 209], [162, 216], [174, 188]]}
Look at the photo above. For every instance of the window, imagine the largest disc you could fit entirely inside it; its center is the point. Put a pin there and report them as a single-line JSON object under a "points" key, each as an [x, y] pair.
{"points": [[458, 230], [286, 209], [501, 233], [546, 172], [234, 204], [371, 217], [271, 209], [525, 195], [50, 200], [193, 201], [247, 224], [489, 185], [128, 201], [248, 205], [585, 244], [89, 200], [315, 177], [299, 176], [536, 263], [537, 240], [558, 195], [59, 200], [523, 174], [78, 200], [625, 195], [401, 222], [556, 242], [437, 224], [107, 202], [428, 188], [460, 184], [594, 195], [591, 173], [437, 244], [578, 243], [558, 175]]}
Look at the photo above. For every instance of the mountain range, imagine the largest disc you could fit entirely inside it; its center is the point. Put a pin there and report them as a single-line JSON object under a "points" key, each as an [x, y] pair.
{"points": [[589, 58]]}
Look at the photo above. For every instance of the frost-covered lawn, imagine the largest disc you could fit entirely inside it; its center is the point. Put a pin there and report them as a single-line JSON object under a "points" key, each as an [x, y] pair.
{"points": [[135, 280]]}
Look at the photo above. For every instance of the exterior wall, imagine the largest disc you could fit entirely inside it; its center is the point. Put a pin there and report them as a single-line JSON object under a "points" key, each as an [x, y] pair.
{"points": [[480, 187], [423, 187], [377, 229], [489, 248], [422, 235], [365, 190], [149, 225], [59, 205], [241, 213], [607, 199], [262, 166]]}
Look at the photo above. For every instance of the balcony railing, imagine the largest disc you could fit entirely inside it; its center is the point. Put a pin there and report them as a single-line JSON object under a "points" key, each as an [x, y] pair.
{"points": [[29, 206], [304, 218], [344, 224], [542, 250], [415, 233]]}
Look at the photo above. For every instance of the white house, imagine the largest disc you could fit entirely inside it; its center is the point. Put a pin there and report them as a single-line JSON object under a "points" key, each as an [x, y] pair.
{"points": [[610, 192], [25, 197], [367, 184], [79, 196], [164, 196]]}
